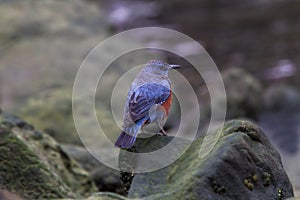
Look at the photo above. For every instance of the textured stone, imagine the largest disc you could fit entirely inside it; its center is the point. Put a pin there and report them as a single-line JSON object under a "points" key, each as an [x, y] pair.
{"points": [[105, 178], [106, 196], [243, 165], [23, 173], [281, 117], [244, 94], [51, 111], [51, 155]]}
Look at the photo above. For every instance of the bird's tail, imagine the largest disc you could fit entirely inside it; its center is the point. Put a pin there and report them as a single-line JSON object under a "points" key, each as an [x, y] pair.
{"points": [[125, 140], [128, 136]]}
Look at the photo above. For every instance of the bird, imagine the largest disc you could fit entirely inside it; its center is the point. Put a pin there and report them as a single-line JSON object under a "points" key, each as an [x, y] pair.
{"points": [[148, 101]]}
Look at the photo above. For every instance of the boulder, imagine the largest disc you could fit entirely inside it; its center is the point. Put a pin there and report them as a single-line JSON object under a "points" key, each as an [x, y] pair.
{"points": [[22, 172], [281, 117], [242, 165], [280, 120], [105, 178], [50, 154], [51, 112], [244, 94]]}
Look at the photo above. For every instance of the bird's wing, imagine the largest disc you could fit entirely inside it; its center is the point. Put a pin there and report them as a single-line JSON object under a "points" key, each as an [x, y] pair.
{"points": [[144, 97]]}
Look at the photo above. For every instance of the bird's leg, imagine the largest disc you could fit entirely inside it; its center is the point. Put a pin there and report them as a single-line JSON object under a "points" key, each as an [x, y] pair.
{"points": [[161, 129], [163, 132], [142, 129]]}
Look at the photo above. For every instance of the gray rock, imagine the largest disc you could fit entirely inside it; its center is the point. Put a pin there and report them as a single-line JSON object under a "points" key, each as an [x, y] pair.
{"points": [[243, 165], [281, 117], [244, 94], [48, 153], [23, 173], [281, 97], [106, 196], [105, 178], [51, 112]]}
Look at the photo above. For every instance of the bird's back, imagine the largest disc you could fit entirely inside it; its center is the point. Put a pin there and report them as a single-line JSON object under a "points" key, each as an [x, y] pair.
{"points": [[144, 78], [148, 100]]}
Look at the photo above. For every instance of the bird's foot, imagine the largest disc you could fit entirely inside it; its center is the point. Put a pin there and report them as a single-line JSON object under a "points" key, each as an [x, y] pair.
{"points": [[159, 134], [162, 132]]}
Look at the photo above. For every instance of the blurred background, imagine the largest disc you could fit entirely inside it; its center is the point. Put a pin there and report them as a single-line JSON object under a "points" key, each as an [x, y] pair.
{"points": [[255, 45]]}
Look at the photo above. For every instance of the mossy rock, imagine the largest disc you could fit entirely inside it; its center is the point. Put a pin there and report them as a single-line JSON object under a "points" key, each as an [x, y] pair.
{"points": [[242, 165], [52, 155], [22, 172], [51, 112], [244, 94], [105, 178]]}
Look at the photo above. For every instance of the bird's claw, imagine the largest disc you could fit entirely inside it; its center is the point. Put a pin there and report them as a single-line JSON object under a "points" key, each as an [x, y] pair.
{"points": [[162, 132]]}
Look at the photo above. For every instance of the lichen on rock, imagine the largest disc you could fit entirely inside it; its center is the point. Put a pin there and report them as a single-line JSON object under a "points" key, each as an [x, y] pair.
{"points": [[51, 112], [243, 165], [23, 173], [50, 154], [105, 178]]}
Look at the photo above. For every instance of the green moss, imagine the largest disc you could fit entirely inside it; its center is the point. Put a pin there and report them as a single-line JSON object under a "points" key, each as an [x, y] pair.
{"points": [[248, 183], [51, 112], [255, 177], [219, 189], [232, 170], [279, 194], [47, 152], [22, 172], [267, 179]]}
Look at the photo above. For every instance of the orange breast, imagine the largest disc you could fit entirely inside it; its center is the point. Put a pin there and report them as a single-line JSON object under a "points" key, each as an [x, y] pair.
{"points": [[167, 104]]}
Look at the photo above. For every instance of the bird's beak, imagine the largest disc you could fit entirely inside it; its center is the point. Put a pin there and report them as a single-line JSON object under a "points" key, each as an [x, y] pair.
{"points": [[174, 66]]}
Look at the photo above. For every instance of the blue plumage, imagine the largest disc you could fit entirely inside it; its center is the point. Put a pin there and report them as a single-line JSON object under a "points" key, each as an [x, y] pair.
{"points": [[149, 100], [140, 102], [144, 97]]}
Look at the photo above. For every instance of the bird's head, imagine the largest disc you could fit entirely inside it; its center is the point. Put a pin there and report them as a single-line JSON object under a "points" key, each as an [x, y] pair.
{"points": [[159, 67]]}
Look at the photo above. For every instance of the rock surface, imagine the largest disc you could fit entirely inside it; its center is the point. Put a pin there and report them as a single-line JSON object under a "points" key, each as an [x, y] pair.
{"points": [[244, 94], [107, 196], [22, 172], [280, 120], [243, 165], [51, 112], [281, 117], [105, 178], [45, 152]]}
